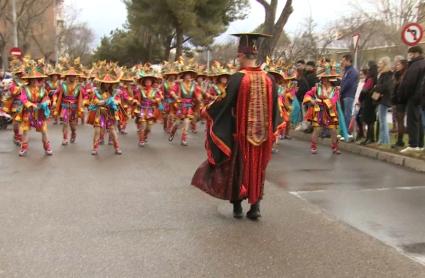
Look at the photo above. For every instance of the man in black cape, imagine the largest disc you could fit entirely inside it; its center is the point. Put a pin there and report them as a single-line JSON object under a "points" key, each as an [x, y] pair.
{"points": [[241, 129]]}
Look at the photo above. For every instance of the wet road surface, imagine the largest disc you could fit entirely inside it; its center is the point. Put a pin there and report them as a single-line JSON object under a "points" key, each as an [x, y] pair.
{"points": [[135, 215], [382, 200]]}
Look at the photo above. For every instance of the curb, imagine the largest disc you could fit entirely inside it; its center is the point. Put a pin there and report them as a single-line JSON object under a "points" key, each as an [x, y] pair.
{"points": [[395, 159]]}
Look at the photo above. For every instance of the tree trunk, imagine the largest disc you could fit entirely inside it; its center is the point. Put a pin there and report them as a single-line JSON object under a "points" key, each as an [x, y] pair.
{"points": [[149, 58], [4, 56], [273, 28], [167, 47], [179, 42]]}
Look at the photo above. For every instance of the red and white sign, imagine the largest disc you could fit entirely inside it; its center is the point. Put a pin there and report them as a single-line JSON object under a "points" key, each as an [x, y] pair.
{"points": [[16, 51], [412, 34]]}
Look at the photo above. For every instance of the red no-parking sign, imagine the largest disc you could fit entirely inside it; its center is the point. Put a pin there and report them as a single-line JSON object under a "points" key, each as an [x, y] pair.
{"points": [[412, 34]]}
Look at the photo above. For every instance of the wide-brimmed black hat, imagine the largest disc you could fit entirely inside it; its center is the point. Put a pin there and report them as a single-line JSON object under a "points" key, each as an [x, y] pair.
{"points": [[249, 43]]}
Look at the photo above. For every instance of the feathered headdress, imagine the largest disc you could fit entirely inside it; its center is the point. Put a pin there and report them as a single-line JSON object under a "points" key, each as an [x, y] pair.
{"points": [[107, 72], [187, 66], [33, 69], [70, 67]]}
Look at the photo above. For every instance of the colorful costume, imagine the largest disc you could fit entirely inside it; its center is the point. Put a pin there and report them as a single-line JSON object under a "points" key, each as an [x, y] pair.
{"points": [[240, 136], [103, 109], [323, 112], [52, 85], [126, 99], [275, 68], [186, 94], [104, 106], [11, 99], [69, 106], [218, 88], [148, 100], [322, 101], [35, 99], [35, 112], [169, 74]]}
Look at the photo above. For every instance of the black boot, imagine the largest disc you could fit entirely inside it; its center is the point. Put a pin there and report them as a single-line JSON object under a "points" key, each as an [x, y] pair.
{"points": [[254, 212], [237, 209]]}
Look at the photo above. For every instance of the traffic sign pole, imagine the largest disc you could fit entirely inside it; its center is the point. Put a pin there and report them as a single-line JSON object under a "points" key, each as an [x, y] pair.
{"points": [[356, 39]]}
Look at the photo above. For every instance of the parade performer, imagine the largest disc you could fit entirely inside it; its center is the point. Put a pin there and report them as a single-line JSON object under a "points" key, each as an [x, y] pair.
{"points": [[147, 100], [11, 99], [69, 106], [275, 69], [35, 100], [170, 74], [103, 108], [52, 85], [218, 87], [90, 85], [186, 94], [290, 86], [126, 98], [201, 81], [205, 89], [86, 90], [287, 99], [322, 101], [241, 134]]}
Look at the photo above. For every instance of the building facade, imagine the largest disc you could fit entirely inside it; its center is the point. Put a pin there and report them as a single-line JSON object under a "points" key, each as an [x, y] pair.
{"points": [[37, 26]]}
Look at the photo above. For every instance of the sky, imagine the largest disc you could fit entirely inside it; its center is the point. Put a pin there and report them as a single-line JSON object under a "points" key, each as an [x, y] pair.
{"points": [[104, 16]]}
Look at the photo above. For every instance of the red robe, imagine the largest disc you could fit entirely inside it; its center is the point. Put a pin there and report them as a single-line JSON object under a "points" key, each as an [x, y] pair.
{"points": [[240, 135]]}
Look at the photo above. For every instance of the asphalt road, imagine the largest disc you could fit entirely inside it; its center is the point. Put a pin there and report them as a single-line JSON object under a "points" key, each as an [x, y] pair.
{"points": [[135, 215]]}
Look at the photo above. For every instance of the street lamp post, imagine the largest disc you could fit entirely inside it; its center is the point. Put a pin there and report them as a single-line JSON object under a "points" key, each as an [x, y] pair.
{"points": [[208, 59], [15, 24], [356, 38]]}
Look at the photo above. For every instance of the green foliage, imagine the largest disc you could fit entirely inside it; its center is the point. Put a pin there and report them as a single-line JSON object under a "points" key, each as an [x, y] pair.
{"points": [[156, 27], [174, 22], [127, 48]]}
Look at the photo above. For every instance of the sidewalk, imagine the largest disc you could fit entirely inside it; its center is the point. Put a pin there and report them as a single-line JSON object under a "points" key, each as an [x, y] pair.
{"points": [[413, 162]]}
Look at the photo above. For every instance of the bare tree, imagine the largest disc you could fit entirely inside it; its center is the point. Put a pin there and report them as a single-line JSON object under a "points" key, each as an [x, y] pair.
{"points": [[4, 32], [224, 53], [31, 22], [309, 44], [77, 40], [30, 15], [384, 19], [74, 37]]}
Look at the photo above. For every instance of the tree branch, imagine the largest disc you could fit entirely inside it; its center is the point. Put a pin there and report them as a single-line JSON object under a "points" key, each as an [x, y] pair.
{"points": [[264, 3], [284, 16], [185, 40]]}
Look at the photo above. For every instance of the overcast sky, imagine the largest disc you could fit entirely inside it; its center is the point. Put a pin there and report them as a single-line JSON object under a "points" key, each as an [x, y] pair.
{"points": [[106, 15]]}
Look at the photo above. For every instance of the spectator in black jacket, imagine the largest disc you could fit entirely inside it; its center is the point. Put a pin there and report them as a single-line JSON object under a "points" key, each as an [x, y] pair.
{"points": [[310, 74], [400, 65], [412, 94], [368, 106], [302, 85]]}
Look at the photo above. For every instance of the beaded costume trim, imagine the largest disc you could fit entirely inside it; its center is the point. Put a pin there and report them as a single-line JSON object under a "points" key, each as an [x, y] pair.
{"points": [[257, 127]]}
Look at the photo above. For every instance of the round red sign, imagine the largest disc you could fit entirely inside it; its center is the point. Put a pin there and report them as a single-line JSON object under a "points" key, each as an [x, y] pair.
{"points": [[16, 51], [412, 34]]}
